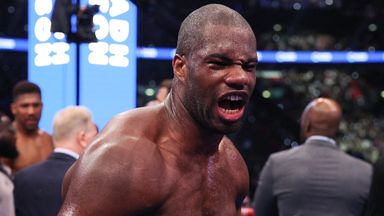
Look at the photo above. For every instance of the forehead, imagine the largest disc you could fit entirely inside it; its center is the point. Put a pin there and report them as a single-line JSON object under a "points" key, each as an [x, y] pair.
{"points": [[222, 39], [28, 98]]}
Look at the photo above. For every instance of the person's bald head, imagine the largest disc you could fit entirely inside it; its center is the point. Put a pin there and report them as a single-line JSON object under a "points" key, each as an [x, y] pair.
{"points": [[322, 116], [215, 58], [191, 34]]}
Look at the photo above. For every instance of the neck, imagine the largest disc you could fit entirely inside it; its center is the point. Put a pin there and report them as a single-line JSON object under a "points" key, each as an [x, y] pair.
{"points": [[186, 131], [70, 145]]}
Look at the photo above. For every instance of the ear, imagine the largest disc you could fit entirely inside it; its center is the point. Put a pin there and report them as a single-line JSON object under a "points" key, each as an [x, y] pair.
{"points": [[13, 108], [307, 128], [179, 65], [81, 140]]}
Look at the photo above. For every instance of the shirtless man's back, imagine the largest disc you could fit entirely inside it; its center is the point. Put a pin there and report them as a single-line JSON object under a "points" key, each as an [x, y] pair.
{"points": [[173, 158]]}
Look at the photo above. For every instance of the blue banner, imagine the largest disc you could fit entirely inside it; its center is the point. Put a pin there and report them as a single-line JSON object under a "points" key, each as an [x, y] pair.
{"points": [[108, 67], [51, 62]]}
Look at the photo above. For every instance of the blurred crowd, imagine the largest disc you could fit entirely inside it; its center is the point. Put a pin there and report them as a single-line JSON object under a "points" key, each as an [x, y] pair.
{"points": [[309, 40], [361, 101]]}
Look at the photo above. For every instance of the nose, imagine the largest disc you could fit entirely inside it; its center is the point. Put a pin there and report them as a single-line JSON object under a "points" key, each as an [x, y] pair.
{"points": [[238, 78], [31, 110]]}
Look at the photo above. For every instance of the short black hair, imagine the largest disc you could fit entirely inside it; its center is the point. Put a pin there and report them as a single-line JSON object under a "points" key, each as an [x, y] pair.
{"points": [[25, 87], [191, 29]]}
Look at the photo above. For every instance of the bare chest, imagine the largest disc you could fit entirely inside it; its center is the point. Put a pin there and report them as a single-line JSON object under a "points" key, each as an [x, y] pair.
{"points": [[32, 150], [209, 190]]}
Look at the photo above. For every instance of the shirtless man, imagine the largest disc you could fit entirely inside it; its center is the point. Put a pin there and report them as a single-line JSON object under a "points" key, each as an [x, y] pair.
{"points": [[33, 144], [174, 158]]}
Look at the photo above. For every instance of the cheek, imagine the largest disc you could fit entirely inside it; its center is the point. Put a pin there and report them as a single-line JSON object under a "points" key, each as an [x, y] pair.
{"points": [[22, 111], [252, 80], [38, 110]]}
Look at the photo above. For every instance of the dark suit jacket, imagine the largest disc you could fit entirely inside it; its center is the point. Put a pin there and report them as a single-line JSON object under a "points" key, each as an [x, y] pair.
{"points": [[38, 187], [375, 205], [314, 179]]}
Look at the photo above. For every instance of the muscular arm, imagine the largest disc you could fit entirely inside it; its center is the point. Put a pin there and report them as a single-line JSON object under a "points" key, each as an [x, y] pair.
{"points": [[264, 200], [115, 176]]}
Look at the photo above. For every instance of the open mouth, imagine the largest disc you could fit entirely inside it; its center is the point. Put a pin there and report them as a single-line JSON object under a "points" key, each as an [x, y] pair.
{"points": [[231, 106]]}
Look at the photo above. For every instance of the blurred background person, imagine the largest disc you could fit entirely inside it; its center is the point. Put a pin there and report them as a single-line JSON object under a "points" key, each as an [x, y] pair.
{"points": [[316, 178], [7, 151], [375, 205], [33, 144], [162, 92], [38, 187]]}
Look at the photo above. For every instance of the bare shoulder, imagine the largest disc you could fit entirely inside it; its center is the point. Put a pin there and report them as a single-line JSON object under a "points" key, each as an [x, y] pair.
{"points": [[120, 173], [234, 161], [45, 136], [123, 143], [45, 141], [228, 149]]}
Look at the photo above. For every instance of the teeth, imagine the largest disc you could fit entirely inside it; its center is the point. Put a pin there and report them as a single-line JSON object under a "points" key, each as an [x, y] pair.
{"points": [[231, 111], [233, 98]]}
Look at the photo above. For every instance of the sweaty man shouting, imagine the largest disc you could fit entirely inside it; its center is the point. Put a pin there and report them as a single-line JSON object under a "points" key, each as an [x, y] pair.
{"points": [[174, 158]]}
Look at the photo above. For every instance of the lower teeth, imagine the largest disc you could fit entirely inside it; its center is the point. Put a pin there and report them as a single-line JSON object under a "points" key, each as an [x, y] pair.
{"points": [[230, 111]]}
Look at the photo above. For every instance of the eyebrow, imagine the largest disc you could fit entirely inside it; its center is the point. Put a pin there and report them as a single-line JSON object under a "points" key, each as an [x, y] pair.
{"points": [[227, 59]]}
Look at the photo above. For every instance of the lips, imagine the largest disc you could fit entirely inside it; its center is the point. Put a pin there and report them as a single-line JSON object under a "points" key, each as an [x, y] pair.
{"points": [[31, 121], [231, 106]]}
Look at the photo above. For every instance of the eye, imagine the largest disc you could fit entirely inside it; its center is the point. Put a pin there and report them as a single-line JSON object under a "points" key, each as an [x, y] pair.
{"points": [[217, 65], [250, 67], [36, 105]]}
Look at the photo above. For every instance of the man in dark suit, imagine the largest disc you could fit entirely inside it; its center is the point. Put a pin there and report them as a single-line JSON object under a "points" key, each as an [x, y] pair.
{"points": [[38, 188], [375, 204], [316, 178]]}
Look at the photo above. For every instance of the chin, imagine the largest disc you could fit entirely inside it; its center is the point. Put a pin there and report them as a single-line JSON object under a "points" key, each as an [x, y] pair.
{"points": [[228, 128], [31, 129]]}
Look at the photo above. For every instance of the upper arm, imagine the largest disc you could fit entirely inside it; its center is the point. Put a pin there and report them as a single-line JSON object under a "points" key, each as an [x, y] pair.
{"points": [[85, 188], [264, 200], [67, 180], [111, 180]]}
